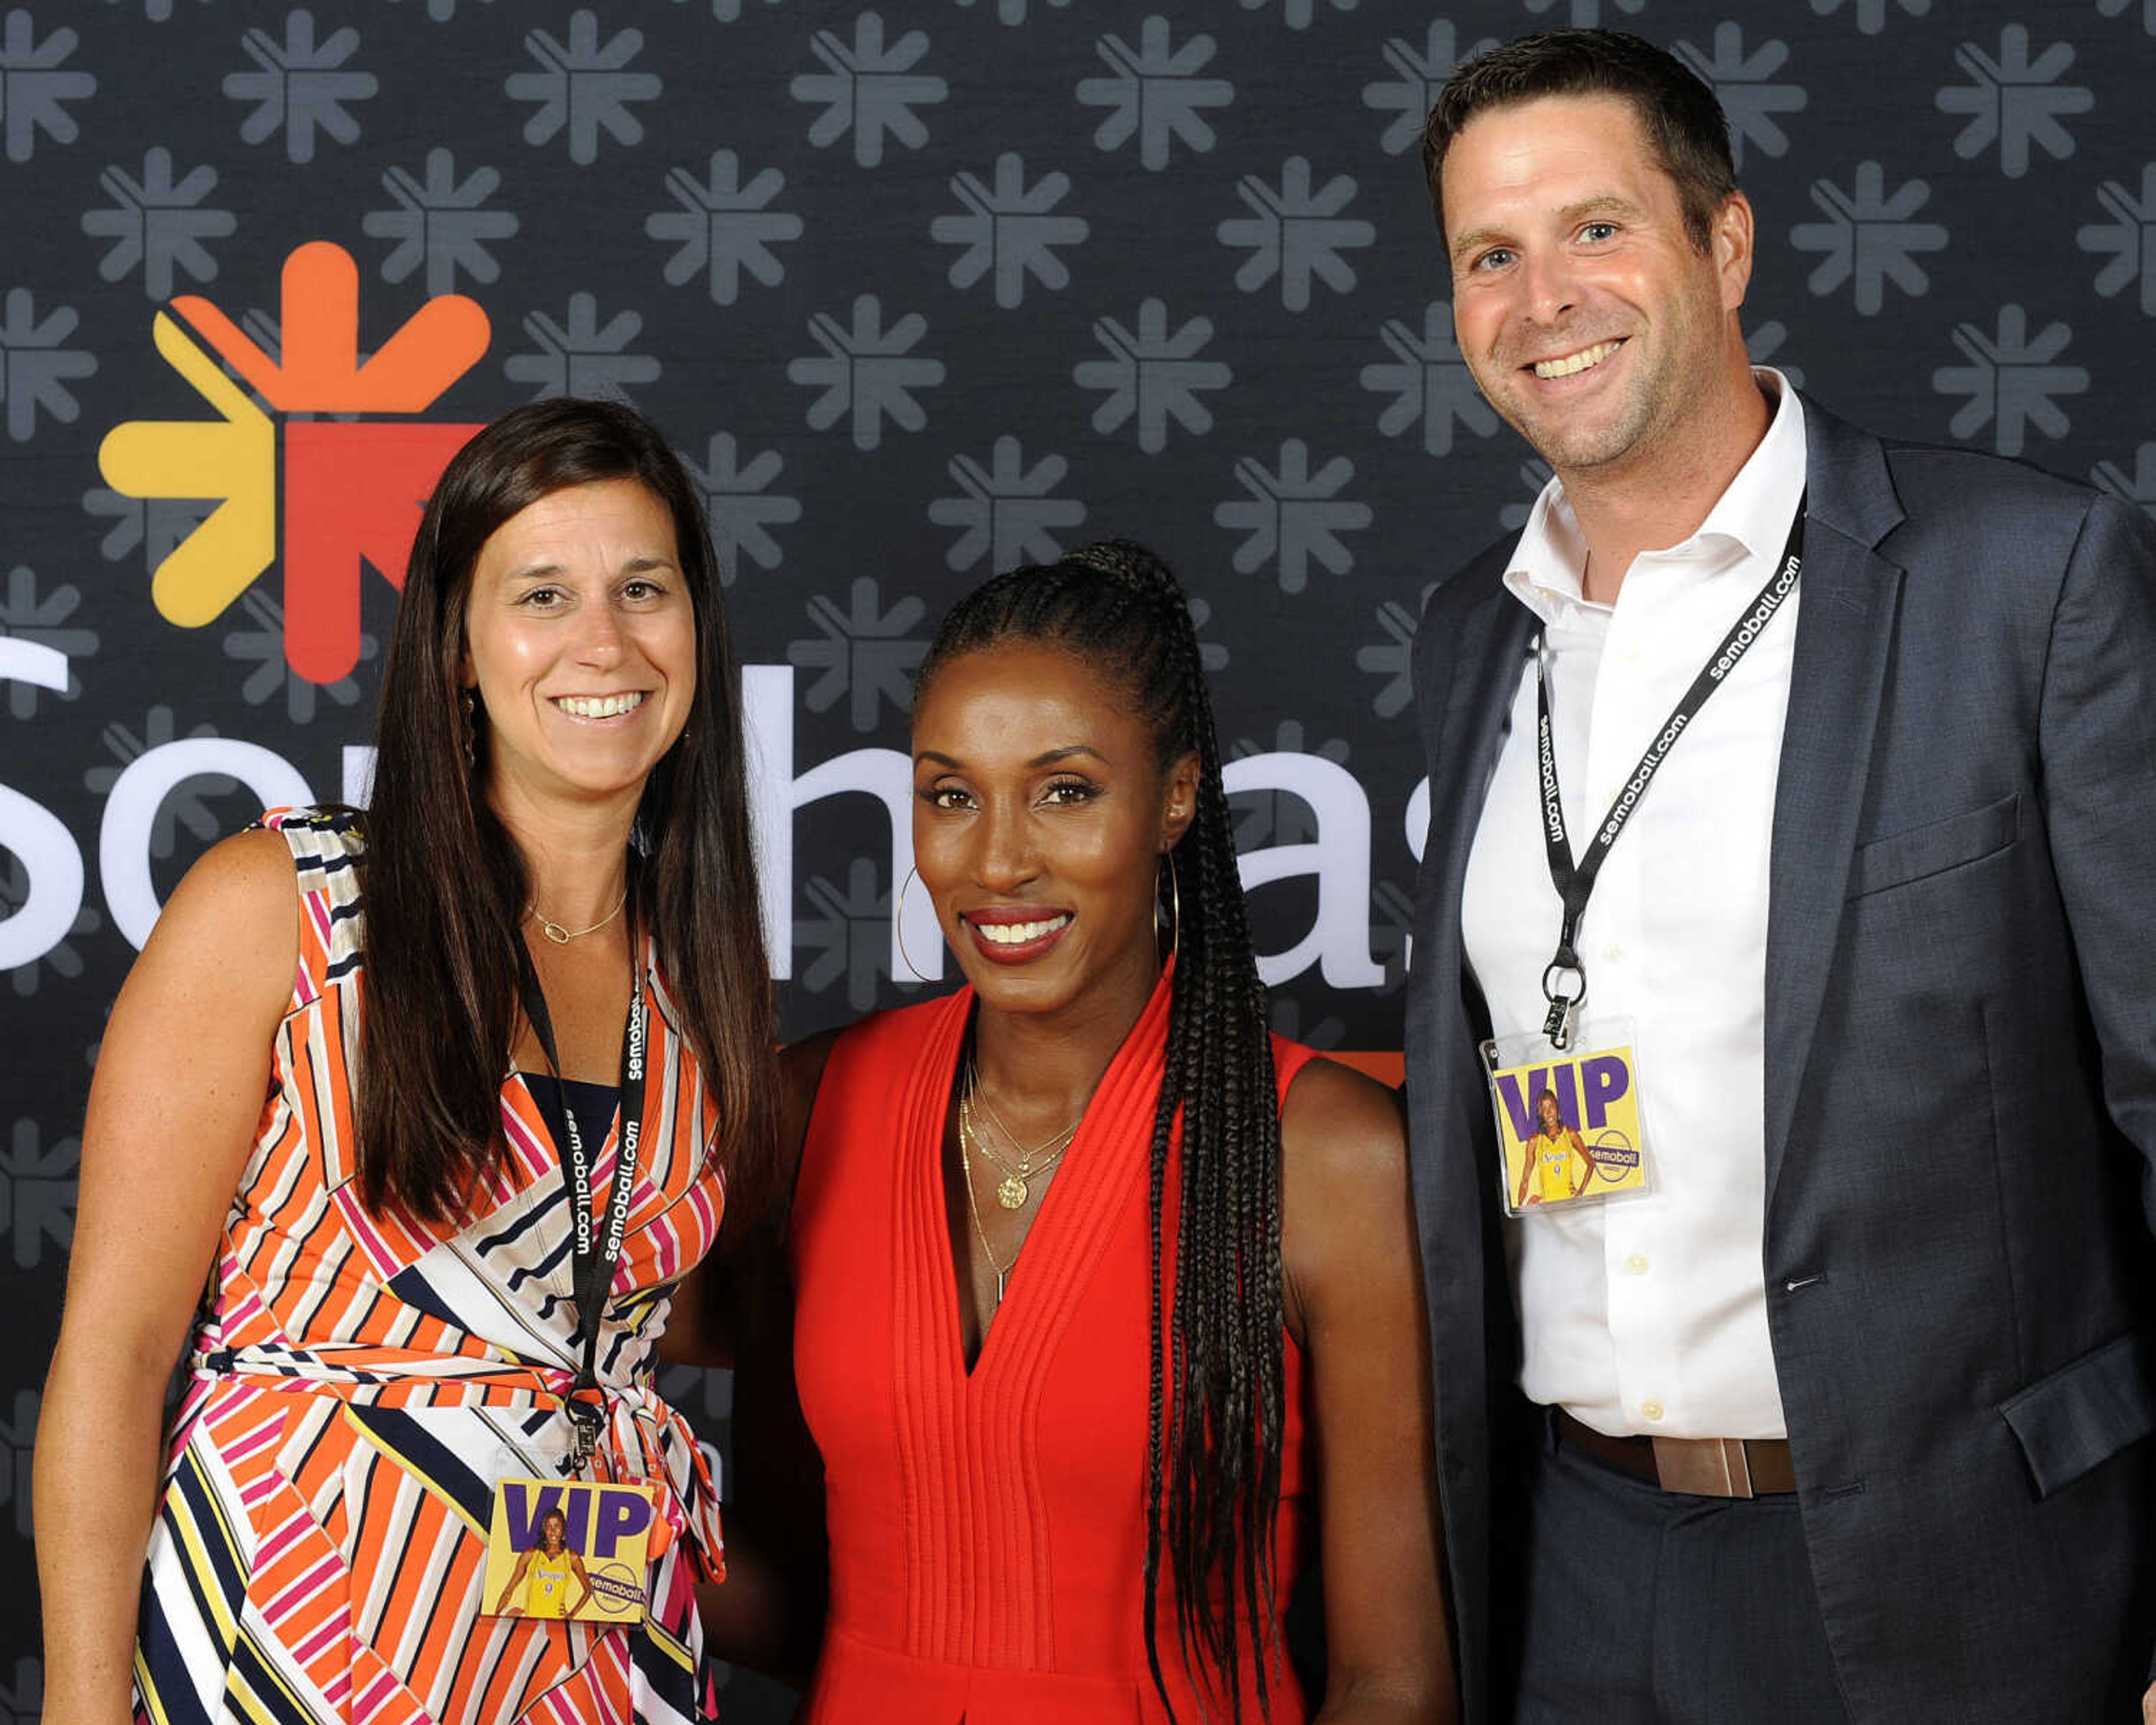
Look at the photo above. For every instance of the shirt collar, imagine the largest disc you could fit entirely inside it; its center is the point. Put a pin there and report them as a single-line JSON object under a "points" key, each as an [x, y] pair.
{"points": [[1752, 516]]}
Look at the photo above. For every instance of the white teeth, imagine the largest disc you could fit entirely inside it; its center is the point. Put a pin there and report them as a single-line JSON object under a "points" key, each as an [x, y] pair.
{"points": [[599, 706], [1572, 362], [1017, 934]]}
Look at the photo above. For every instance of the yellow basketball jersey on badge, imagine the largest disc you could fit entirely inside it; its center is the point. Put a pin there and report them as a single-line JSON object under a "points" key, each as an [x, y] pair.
{"points": [[1553, 1169], [546, 1586]]}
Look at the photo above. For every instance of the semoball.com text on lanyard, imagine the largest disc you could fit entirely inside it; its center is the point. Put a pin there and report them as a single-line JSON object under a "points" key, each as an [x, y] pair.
{"points": [[591, 1259], [1568, 1119]]}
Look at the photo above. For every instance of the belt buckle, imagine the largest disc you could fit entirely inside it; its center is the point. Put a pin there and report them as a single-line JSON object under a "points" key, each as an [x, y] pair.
{"points": [[1703, 1467]]}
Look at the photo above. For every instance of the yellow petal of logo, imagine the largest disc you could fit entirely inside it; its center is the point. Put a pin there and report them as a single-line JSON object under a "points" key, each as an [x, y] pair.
{"points": [[235, 458], [351, 492]]}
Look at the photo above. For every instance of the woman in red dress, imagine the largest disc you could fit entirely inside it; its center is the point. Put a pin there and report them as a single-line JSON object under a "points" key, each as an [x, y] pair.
{"points": [[1106, 1319]]}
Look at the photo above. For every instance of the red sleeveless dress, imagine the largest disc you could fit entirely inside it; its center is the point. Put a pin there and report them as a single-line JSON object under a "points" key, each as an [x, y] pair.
{"points": [[988, 1529]]}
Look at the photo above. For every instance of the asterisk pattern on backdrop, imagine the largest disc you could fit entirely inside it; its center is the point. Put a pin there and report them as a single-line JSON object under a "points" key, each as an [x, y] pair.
{"points": [[920, 288]]}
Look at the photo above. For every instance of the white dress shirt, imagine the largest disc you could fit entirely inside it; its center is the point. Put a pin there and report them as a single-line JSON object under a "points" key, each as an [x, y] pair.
{"points": [[1648, 1313]]}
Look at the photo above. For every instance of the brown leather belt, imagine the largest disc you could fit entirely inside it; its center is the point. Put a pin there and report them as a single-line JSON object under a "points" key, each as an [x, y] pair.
{"points": [[1697, 1468]]}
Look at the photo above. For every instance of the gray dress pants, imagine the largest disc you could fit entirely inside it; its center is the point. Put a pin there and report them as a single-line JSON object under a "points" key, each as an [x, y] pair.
{"points": [[1641, 1607]]}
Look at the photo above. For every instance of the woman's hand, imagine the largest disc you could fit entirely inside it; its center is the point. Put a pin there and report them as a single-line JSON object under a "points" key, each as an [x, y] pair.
{"points": [[181, 1080]]}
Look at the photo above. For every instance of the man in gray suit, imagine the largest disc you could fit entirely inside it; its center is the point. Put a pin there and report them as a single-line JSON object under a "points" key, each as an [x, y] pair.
{"points": [[1813, 777]]}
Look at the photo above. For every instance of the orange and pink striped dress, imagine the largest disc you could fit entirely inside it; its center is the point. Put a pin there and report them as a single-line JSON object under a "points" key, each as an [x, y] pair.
{"points": [[358, 1381]]}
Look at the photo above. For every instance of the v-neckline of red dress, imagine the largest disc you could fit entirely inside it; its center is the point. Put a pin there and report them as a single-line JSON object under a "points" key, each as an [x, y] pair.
{"points": [[1091, 1182]]}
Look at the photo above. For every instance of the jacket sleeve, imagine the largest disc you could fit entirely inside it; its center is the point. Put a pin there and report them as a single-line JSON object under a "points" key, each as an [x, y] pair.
{"points": [[2097, 735], [2097, 732]]}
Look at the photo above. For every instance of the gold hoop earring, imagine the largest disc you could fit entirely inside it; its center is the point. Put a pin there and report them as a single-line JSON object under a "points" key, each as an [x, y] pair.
{"points": [[1175, 910], [898, 925]]}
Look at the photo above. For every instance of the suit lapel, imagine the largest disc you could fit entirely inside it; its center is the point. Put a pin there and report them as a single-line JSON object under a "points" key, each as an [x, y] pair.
{"points": [[1493, 642], [1845, 639], [1478, 663], [1482, 663]]}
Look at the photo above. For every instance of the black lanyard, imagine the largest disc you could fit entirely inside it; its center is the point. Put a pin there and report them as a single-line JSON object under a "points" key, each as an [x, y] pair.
{"points": [[591, 1259], [1575, 882]]}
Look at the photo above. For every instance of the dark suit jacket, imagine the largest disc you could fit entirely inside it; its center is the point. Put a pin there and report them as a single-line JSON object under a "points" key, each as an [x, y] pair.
{"points": [[1960, 1087]]}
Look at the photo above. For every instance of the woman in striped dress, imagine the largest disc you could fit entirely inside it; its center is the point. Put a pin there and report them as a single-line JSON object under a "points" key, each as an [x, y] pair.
{"points": [[344, 1134]]}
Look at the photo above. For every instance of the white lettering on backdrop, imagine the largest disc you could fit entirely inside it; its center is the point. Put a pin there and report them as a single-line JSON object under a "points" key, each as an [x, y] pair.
{"points": [[1338, 858]]}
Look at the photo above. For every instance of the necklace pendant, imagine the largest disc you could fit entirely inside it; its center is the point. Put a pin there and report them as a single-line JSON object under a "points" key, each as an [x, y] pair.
{"points": [[1012, 1194], [555, 932]]}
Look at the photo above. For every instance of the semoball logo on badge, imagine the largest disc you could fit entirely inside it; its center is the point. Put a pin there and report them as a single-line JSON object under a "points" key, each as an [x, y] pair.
{"points": [[346, 490], [1614, 1150], [617, 1586]]}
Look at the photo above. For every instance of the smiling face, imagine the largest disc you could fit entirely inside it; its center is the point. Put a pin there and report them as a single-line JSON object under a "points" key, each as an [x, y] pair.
{"points": [[1040, 816], [554, 1530], [1546, 1111], [580, 637], [1586, 314]]}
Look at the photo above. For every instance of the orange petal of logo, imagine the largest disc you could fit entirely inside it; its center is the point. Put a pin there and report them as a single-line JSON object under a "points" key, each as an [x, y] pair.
{"points": [[321, 372]]}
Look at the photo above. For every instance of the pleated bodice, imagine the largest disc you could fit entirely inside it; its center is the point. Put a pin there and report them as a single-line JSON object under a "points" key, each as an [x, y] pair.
{"points": [[987, 1530]]}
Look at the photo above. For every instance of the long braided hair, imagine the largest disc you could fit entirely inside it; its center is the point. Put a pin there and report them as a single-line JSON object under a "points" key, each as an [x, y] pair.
{"points": [[1213, 1454]]}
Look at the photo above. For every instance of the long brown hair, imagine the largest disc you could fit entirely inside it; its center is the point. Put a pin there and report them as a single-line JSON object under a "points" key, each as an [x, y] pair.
{"points": [[1217, 1400], [445, 885]]}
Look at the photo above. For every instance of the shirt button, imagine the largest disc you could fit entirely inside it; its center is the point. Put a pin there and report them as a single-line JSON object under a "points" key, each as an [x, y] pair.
{"points": [[1636, 1265], [1614, 953], [1653, 1410], [1630, 654]]}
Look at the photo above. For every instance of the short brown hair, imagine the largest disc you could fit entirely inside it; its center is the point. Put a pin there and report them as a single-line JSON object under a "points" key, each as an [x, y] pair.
{"points": [[1684, 123]]}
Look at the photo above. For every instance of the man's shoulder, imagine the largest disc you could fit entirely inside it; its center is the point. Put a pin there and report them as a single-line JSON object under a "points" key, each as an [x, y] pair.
{"points": [[1476, 581], [1449, 617], [1929, 476], [1939, 485], [1990, 527]]}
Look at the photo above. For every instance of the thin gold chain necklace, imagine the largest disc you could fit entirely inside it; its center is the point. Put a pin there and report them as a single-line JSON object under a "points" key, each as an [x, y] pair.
{"points": [[1024, 1165], [973, 1208], [562, 936], [1056, 1142], [1013, 1191]]}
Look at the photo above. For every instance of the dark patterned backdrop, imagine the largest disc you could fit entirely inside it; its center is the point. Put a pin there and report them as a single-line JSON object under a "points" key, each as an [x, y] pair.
{"points": [[921, 289]]}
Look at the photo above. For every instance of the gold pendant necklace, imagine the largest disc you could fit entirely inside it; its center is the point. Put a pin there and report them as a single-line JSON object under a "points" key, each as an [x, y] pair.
{"points": [[562, 936], [1056, 1143], [973, 1207], [1014, 1189]]}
